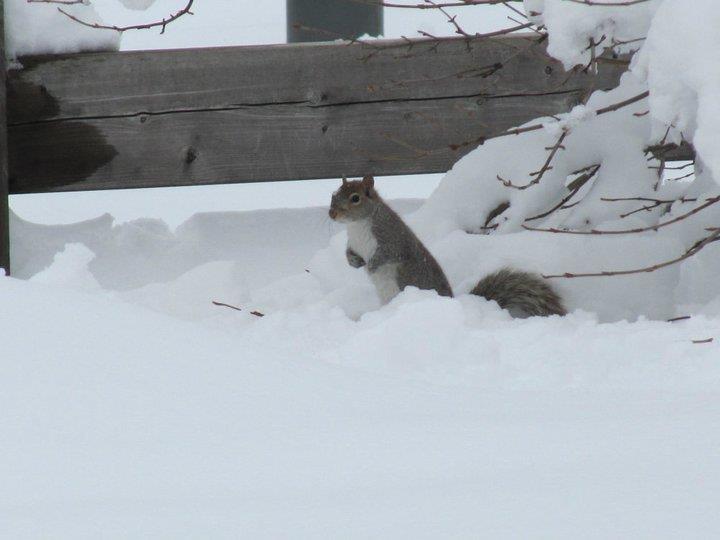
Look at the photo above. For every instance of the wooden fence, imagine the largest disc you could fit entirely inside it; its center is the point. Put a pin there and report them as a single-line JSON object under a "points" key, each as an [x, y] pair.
{"points": [[265, 113]]}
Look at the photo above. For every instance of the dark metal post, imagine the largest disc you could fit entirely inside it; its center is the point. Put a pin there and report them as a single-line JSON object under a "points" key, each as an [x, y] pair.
{"points": [[327, 20], [4, 191]]}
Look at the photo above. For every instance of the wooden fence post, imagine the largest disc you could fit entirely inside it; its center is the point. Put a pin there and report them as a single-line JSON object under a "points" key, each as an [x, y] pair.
{"points": [[4, 208], [327, 20]]}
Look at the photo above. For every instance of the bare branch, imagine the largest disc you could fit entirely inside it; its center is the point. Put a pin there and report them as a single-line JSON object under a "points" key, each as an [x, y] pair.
{"points": [[536, 127], [482, 36], [655, 227], [576, 184], [162, 24], [545, 168], [654, 203], [698, 246]]}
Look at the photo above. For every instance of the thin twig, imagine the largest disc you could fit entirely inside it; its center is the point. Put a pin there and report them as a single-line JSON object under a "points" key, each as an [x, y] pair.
{"points": [[222, 304], [536, 127], [655, 227], [693, 250], [172, 18], [540, 173], [578, 183], [682, 318]]}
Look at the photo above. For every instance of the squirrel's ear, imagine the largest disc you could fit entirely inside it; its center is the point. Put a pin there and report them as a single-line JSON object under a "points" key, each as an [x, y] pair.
{"points": [[368, 181], [344, 180]]}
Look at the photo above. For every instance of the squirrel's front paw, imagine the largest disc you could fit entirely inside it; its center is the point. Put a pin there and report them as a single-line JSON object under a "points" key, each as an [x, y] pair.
{"points": [[355, 260]]}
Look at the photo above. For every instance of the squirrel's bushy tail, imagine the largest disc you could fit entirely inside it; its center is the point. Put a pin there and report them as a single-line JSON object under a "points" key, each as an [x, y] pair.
{"points": [[523, 294]]}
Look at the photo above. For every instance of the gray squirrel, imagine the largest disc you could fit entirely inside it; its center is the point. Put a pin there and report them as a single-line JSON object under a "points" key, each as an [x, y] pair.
{"points": [[395, 258]]}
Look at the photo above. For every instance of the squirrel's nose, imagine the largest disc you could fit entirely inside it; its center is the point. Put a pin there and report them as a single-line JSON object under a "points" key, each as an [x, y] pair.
{"points": [[332, 213]]}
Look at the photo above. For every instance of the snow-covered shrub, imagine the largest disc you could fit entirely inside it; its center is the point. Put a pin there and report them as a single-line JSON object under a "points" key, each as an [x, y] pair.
{"points": [[602, 166]]}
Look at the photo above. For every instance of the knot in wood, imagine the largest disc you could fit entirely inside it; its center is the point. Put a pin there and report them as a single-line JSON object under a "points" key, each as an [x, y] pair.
{"points": [[190, 154]]}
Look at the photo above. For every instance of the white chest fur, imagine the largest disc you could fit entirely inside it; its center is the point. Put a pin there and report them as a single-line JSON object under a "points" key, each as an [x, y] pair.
{"points": [[361, 239]]}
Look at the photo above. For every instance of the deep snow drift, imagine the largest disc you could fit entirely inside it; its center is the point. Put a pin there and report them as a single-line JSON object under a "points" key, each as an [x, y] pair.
{"points": [[150, 413]]}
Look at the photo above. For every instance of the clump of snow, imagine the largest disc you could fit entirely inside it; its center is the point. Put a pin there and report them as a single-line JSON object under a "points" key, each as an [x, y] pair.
{"points": [[39, 28], [572, 26], [679, 61], [70, 270]]}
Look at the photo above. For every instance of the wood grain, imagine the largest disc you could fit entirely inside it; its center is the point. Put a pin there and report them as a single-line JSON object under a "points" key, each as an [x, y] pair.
{"points": [[285, 112]]}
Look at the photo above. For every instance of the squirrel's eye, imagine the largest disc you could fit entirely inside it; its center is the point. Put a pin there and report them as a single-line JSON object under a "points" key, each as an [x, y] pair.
{"points": [[355, 198]]}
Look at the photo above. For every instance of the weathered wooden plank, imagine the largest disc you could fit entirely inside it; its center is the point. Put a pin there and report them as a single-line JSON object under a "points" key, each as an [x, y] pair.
{"points": [[321, 20], [249, 114], [4, 208], [258, 144], [129, 83]]}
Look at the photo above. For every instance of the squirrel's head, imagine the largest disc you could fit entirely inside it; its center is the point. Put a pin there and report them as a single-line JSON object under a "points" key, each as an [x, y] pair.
{"points": [[355, 200]]}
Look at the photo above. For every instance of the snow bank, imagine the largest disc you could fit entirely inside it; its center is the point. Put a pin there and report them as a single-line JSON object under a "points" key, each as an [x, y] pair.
{"points": [[149, 412], [429, 417], [280, 259], [269, 244]]}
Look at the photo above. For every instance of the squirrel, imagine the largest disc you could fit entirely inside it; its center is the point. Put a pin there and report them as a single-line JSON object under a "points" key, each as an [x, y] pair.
{"points": [[394, 257]]}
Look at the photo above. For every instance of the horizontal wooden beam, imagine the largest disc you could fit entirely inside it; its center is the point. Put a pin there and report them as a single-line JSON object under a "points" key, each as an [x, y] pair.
{"points": [[285, 112]]}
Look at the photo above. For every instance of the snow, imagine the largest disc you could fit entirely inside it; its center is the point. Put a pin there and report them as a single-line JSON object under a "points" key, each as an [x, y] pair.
{"points": [[427, 417], [572, 26], [684, 34], [676, 61], [39, 28], [135, 408], [616, 141]]}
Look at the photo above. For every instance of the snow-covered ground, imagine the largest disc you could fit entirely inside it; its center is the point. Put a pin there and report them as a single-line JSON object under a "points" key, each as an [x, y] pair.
{"points": [[148, 412], [132, 407]]}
